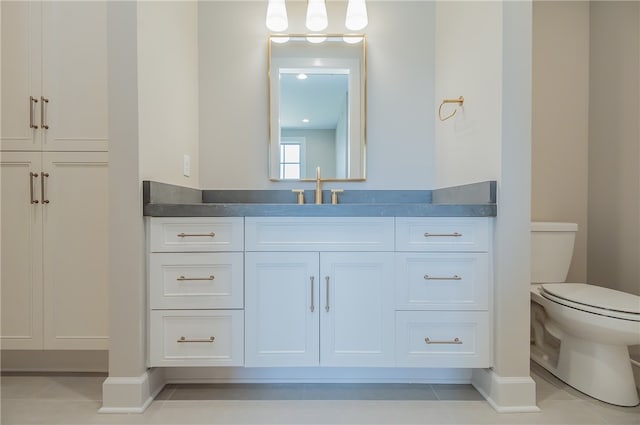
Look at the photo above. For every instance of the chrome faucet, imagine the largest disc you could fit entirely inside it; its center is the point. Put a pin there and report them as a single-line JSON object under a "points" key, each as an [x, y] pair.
{"points": [[318, 187]]}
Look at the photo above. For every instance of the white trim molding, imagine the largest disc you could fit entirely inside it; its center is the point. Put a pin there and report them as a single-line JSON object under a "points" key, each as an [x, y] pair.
{"points": [[131, 394], [506, 394]]}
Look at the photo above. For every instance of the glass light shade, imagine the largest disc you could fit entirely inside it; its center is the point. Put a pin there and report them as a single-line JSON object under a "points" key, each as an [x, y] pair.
{"points": [[356, 15], [317, 15], [277, 16]]}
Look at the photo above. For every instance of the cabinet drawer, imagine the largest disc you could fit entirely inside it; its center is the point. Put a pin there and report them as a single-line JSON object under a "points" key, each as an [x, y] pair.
{"points": [[196, 338], [196, 280], [193, 234], [442, 339], [442, 281], [319, 233], [442, 234]]}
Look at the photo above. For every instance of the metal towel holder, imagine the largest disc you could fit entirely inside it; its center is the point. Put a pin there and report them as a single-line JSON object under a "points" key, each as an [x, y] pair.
{"points": [[459, 101]]}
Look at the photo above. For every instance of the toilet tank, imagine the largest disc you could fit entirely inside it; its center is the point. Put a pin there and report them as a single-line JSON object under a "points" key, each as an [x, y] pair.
{"points": [[551, 250]]}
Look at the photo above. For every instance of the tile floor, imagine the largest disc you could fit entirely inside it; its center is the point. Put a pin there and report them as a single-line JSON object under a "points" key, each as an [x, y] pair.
{"points": [[75, 399]]}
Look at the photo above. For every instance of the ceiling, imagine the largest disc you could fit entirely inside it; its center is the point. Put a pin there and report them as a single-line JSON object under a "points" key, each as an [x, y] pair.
{"points": [[319, 98]]}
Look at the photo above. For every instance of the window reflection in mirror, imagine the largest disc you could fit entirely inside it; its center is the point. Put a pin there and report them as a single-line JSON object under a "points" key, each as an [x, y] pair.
{"points": [[316, 108]]}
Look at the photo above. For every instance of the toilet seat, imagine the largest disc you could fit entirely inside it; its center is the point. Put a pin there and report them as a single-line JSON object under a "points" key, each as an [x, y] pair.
{"points": [[594, 299]]}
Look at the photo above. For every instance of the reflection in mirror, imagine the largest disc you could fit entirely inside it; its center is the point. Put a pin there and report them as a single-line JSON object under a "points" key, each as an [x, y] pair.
{"points": [[317, 107]]}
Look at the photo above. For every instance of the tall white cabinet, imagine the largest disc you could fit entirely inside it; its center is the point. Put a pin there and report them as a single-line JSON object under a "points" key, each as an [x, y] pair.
{"points": [[54, 175], [54, 76]]}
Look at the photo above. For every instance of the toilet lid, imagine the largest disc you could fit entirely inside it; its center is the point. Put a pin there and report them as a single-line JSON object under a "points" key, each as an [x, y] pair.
{"points": [[595, 296]]}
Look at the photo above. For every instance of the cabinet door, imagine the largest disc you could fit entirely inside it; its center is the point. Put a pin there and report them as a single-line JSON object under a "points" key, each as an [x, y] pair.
{"points": [[357, 309], [281, 309], [75, 250], [21, 251], [75, 75], [21, 74]]}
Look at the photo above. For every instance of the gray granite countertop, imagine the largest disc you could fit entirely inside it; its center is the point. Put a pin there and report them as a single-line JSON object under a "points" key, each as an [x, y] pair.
{"points": [[472, 200]]}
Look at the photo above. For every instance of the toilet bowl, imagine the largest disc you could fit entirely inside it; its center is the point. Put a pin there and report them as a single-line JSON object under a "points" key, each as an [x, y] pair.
{"points": [[592, 325]]}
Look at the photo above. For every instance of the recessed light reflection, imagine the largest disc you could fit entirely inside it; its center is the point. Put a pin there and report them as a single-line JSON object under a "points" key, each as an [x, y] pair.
{"points": [[279, 39], [352, 39], [302, 76], [305, 120]]}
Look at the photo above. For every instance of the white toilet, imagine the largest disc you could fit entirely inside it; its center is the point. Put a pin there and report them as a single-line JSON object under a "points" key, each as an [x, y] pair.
{"points": [[580, 332]]}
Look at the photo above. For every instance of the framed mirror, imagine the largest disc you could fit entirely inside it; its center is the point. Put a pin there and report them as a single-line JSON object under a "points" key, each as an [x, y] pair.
{"points": [[317, 113]]}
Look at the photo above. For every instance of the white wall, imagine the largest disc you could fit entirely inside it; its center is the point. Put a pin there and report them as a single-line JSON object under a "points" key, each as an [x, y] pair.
{"points": [[560, 142], [468, 63], [614, 146], [168, 90], [233, 93]]}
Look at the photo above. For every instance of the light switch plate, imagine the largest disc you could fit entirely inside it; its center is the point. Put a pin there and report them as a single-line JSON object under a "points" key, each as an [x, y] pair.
{"points": [[186, 166]]}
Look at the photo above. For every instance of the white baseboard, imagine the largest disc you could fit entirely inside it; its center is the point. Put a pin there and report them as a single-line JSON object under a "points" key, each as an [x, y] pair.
{"points": [[131, 394], [135, 394], [62, 361], [506, 394]]}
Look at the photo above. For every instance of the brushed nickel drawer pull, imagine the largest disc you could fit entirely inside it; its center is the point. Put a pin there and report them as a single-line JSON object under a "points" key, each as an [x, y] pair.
{"points": [[181, 278], [184, 235], [455, 341], [312, 307], [43, 175], [32, 101], [454, 277], [43, 117], [326, 307], [184, 339], [32, 176], [454, 234]]}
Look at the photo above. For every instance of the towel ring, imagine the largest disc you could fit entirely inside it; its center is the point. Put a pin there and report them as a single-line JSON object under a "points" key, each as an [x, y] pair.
{"points": [[459, 101]]}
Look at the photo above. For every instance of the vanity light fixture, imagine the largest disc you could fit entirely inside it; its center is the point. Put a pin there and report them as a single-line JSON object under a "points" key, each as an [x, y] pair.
{"points": [[316, 18], [277, 16], [356, 15], [316, 15]]}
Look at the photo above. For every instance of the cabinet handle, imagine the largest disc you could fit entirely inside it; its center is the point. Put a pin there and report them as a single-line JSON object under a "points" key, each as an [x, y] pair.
{"points": [[455, 341], [184, 235], [181, 278], [44, 201], [43, 119], [312, 307], [430, 235], [326, 307], [32, 102], [32, 177], [184, 339], [454, 277]]}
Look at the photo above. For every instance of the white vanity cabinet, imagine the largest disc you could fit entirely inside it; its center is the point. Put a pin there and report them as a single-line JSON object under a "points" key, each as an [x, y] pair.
{"points": [[319, 291], [196, 277], [442, 292]]}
